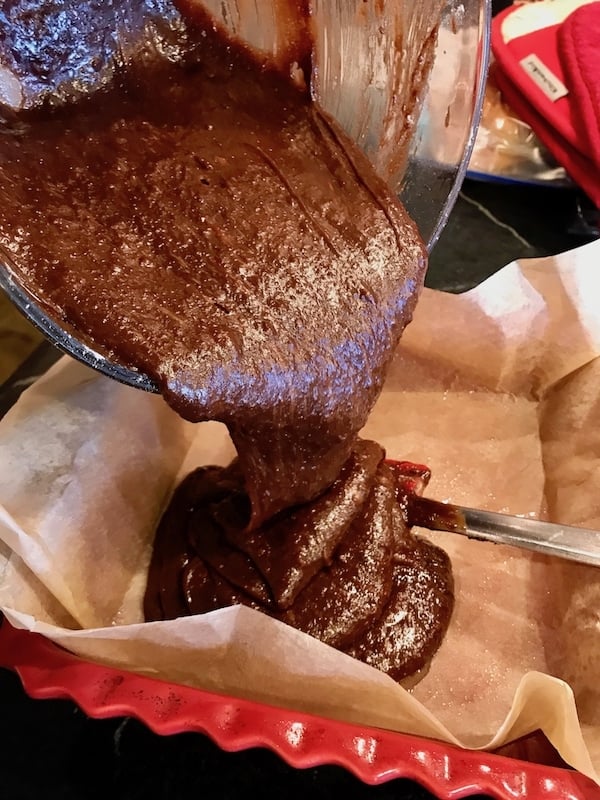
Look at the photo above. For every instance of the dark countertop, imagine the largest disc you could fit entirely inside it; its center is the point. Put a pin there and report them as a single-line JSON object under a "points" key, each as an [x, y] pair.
{"points": [[52, 750], [493, 223]]}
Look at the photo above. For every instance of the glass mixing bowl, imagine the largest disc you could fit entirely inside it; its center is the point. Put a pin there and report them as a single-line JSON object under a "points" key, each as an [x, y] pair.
{"points": [[419, 139], [366, 54]]}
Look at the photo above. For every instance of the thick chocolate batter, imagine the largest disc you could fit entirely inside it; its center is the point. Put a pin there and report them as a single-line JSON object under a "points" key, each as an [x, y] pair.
{"points": [[203, 221], [200, 219], [345, 568]]}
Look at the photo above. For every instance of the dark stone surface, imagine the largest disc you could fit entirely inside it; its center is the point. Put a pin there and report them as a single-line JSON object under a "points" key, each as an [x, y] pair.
{"points": [[52, 750], [492, 224]]}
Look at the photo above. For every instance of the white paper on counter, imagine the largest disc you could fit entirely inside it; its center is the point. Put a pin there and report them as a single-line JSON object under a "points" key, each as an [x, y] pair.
{"points": [[497, 390]]}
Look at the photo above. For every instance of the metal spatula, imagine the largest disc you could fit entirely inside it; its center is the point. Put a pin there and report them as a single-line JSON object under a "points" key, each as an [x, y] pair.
{"points": [[565, 541]]}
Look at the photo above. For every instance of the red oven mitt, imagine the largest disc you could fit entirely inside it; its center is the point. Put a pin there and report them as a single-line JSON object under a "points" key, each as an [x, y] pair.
{"points": [[579, 48], [534, 80], [581, 169]]}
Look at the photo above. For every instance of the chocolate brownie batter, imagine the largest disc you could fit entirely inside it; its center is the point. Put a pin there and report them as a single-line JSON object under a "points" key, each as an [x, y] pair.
{"points": [[199, 218], [345, 568]]}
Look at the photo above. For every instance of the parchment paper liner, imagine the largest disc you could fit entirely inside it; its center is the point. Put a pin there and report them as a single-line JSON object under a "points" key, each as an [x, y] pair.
{"points": [[497, 390]]}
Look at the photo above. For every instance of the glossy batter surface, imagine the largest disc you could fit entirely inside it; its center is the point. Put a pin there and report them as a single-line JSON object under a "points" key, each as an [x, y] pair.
{"points": [[202, 220], [197, 216], [345, 569]]}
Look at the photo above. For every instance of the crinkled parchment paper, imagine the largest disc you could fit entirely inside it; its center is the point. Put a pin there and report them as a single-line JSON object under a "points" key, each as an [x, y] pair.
{"points": [[497, 390]]}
